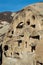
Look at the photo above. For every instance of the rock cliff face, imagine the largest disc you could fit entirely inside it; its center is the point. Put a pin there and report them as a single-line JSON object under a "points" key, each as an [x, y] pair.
{"points": [[21, 36]]}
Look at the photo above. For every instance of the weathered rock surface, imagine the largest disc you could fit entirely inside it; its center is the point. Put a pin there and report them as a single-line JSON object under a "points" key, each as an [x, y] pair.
{"points": [[21, 36]]}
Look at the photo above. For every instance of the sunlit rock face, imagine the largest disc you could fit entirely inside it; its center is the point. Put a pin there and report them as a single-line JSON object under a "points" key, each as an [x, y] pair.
{"points": [[5, 21], [20, 35]]}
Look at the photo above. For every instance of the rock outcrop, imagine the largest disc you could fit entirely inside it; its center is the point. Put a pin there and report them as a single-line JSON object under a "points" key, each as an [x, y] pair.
{"points": [[21, 36]]}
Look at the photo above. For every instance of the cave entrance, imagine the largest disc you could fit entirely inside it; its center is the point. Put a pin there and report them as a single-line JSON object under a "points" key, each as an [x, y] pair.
{"points": [[39, 63], [33, 48]]}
